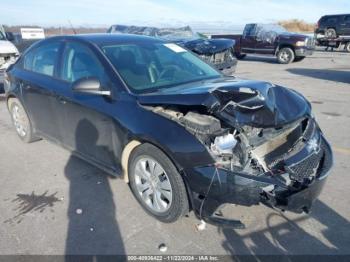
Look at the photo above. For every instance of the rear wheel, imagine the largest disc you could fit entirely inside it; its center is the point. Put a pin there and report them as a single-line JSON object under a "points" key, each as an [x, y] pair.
{"points": [[299, 58], [156, 184], [285, 55], [240, 56], [21, 121], [330, 33]]}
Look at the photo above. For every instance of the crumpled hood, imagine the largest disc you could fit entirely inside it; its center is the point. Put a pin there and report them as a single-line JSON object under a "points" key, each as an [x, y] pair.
{"points": [[6, 47], [206, 46], [236, 101]]}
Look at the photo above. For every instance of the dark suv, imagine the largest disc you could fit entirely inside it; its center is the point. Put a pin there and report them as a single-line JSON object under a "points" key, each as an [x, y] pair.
{"points": [[333, 25]]}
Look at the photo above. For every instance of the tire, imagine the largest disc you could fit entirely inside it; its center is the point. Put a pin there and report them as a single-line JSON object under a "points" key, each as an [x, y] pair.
{"points": [[299, 58], [347, 47], [330, 33], [285, 55], [21, 121], [240, 56], [164, 174]]}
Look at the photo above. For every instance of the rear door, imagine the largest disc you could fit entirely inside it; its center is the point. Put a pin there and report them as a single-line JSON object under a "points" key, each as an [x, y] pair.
{"points": [[37, 81], [346, 25], [248, 40]]}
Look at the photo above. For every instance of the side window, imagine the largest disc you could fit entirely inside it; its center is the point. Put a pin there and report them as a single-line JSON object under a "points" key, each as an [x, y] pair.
{"points": [[28, 61], [249, 30], [331, 20], [80, 62], [43, 59], [347, 18]]}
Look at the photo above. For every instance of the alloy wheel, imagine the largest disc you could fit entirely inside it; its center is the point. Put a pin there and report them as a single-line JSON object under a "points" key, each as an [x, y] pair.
{"points": [[284, 56]]}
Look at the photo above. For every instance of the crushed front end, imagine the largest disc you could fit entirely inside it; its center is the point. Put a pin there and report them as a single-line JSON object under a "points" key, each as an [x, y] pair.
{"points": [[286, 171], [265, 144]]}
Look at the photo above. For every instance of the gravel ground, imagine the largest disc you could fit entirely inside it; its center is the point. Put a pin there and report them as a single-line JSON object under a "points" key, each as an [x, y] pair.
{"points": [[54, 203]]}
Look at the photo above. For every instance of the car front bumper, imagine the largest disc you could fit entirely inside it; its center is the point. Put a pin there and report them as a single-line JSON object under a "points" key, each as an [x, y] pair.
{"points": [[212, 187], [304, 51]]}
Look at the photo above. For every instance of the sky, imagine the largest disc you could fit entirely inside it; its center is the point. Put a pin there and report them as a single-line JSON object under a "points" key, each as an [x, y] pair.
{"points": [[164, 12]]}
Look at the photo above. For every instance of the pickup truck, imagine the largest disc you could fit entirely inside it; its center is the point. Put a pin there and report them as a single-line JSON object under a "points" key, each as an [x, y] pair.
{"points": [[271, 39]]}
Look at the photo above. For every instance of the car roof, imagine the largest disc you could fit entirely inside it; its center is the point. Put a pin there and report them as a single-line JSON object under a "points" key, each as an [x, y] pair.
{"points": [[107, 38], [335, 15]]}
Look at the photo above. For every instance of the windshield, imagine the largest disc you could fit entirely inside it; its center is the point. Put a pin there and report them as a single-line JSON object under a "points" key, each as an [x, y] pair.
{"points": [[2, 37], [146, 67]]}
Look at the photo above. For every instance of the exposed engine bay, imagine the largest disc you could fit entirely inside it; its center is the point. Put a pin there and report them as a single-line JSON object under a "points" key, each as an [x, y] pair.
{"points": [[248, 149], [264, 143]]}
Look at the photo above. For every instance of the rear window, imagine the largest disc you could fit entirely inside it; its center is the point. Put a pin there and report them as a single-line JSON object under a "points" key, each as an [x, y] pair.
{"points": [[330, 20], [43, 59]]}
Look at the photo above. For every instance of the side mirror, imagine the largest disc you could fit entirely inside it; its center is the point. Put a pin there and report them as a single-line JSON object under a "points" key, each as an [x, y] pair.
{"points": [[10, 36], [89, 85]]}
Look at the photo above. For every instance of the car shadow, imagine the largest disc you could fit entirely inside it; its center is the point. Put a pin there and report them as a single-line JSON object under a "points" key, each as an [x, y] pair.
{"points": [[325, 74], [92, 228], [288, 238]]}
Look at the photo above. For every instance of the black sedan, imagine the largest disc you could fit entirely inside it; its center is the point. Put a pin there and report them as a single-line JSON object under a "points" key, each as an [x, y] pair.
{"points": [[181, 134]]}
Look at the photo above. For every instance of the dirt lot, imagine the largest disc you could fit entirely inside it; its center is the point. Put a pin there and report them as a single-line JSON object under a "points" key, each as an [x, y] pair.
{"points": [[43, 186]]}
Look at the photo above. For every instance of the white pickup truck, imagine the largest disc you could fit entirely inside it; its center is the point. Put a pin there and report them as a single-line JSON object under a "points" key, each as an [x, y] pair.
{"points": [[8, 54]]}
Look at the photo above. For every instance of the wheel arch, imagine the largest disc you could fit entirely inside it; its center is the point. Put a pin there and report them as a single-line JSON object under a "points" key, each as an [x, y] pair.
{"points": [[283, 45], [132, 145]]}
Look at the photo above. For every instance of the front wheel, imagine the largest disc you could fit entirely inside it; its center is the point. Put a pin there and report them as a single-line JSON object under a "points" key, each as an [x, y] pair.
{"points": [[285, 55], [156, 184]]}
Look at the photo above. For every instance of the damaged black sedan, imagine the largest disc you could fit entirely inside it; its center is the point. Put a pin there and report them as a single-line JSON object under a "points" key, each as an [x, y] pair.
{"points": [[218, 52], [182, 135]]}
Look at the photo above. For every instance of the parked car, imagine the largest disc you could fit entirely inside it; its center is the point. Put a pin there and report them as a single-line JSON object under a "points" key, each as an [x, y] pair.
{"points": [[182, 134], [8, 55], [271, 39], [333, 26], [218, 52]]}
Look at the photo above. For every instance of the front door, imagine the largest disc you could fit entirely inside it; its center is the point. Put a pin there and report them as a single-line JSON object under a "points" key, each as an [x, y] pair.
{"points": [[89, 129]]}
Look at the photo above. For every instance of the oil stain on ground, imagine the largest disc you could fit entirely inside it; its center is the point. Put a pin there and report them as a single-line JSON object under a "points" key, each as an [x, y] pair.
{"points": [[27, 203]]}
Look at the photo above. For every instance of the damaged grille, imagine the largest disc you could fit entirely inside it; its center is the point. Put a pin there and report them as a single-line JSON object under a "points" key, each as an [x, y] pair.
{"points": [[307, 167], [315, 164], [221, 60]]}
